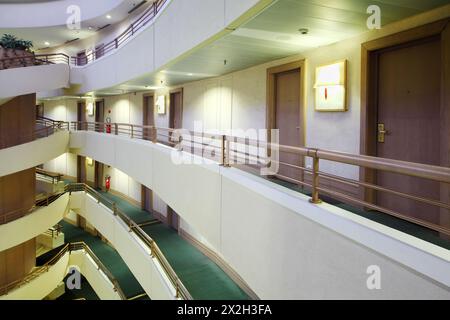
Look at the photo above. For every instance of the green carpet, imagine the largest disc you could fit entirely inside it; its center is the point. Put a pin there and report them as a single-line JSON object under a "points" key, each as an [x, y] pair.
{"points": [[200, 275], [380, 217], [86, 292], [108, 256]]}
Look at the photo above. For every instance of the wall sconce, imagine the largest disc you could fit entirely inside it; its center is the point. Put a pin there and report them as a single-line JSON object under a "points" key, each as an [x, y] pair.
{"points": [[331, 87], [89, 161], [161, 105], [90, 109]]}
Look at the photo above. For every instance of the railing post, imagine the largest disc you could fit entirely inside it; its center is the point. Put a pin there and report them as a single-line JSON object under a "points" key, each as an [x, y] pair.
{"points": [[154, 135], [114, 209], [225, 148], [116, 129], [132, 131], [116, 43], [315, 179]]}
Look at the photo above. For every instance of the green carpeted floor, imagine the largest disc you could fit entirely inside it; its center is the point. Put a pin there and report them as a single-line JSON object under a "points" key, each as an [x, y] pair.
{"points": [[108, 256], [86, 292], [200, 275]]}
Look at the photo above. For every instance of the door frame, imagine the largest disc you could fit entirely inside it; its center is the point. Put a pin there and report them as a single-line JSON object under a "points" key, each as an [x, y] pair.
{"points": [[170, 214], [171, 106], [271, 102], [144, 191], [150, 96], [369, 105]]}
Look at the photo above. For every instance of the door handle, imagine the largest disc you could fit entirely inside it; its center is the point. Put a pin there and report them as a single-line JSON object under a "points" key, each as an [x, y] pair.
{"points": [[382, 132]]}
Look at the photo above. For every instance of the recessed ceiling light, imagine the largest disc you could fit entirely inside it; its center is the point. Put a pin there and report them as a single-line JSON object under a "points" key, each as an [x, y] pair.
{"points": [[303, 30], [190, 74], [47, 43], [108, 16]]}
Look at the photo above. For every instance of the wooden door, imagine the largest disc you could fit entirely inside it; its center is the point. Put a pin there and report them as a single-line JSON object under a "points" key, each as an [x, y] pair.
{"points": [[176, 109], [173, 220], [39, 111], [146, 199], [81, 169], [100, 115], [81, 58], [81, 115], [98, 177], [149, 115], [409, 103], [288, 121]]}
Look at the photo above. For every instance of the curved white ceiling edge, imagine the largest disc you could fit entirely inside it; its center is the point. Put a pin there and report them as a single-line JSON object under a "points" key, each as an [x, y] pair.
{"points": [[51, 13]]}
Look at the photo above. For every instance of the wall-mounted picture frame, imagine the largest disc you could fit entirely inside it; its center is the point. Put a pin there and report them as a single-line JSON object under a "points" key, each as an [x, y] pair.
{"points": [[331, 87], [161, 104], [90, 109]]}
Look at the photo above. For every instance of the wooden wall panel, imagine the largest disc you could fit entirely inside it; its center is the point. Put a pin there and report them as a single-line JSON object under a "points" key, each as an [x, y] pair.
{"points": [[17, 194], [17, 120], [17, 262]]}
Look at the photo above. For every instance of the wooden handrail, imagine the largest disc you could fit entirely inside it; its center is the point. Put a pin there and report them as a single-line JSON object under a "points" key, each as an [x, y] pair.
{"points": [[224, 147], [181, 290], [68, 248]]}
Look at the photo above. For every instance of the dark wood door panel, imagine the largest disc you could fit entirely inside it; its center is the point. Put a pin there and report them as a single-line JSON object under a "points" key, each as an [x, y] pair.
{"points": [[409, 106]]}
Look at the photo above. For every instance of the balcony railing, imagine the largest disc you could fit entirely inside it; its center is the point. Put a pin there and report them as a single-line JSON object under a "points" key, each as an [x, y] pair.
{"points": [[148, 15], [236, 151], [51, 177], [181, 291], [43, 128], [33, 60], [67, 249]]}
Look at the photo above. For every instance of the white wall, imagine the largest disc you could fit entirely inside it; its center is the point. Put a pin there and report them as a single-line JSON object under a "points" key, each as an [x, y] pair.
{"points": [[19, 81], [122, 183], [32, 225], [282, 245], [33, 153], [62, 110]]}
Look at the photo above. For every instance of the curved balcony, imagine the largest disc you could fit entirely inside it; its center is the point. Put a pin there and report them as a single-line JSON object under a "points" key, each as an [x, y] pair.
{"points": [[51, 141], [211, 197], [45, 214], [25, 75], [158, 38], [51, 13], [44, 279]]}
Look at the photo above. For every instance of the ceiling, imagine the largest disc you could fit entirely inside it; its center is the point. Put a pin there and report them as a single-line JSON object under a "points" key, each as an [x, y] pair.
{"points": [[25, 1], [58, 35], [274, 34]]}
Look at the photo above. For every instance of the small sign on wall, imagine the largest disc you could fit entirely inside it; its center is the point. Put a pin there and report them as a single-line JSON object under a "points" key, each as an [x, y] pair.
{"points": [[331, 87], [161, 105], [90, 109]]}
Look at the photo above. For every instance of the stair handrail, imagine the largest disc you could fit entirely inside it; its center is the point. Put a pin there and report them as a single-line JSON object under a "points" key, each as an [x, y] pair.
{"points": [[68, 248], [181, 290]]}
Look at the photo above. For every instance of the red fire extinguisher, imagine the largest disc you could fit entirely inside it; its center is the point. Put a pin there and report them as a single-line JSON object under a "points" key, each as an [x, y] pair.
{"points": [[108, 125], [107, 183]]}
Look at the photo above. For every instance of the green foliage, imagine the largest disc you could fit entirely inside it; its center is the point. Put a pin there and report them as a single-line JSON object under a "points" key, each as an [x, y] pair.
{"points": [[9, 41]]}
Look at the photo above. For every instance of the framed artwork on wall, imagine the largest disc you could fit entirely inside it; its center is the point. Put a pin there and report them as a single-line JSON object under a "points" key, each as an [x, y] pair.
{"points": [[331, 87]]}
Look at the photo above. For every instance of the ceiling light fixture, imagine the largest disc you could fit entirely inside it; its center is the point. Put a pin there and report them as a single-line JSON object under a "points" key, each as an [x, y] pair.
{"points": [[47, 43], [108, 16], [303, 31]]}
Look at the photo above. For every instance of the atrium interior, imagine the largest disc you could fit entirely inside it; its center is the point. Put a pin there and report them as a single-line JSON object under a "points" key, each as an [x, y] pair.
{"points": [[224, 150]]}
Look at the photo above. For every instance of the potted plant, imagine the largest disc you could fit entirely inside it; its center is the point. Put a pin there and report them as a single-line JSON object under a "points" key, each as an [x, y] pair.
{"points": [[12, 47]]}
